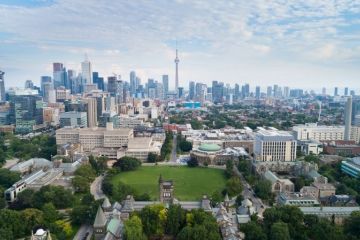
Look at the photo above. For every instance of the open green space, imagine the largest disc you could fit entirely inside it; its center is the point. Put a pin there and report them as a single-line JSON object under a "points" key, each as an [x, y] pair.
{"points": [[189, 183]]}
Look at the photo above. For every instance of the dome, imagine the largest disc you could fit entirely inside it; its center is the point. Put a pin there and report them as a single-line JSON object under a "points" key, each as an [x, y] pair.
{"points": [[40, 232], [209, 147]]}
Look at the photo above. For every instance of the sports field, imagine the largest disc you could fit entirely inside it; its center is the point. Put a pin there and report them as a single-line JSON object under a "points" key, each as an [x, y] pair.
{"points": [[189, 183]]}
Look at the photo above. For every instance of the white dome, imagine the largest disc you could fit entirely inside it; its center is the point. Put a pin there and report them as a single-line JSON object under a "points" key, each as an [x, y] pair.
{"points": [[40, 232]]}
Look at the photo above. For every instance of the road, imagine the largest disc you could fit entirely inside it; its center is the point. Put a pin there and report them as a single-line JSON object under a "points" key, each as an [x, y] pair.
{"points": [[95, 188], [249, 194], [174, 148], [83, 230]]}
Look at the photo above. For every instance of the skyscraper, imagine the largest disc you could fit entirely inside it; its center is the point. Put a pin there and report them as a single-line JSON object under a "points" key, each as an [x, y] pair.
{"points": [[346, 91], [43, 80], [348, 110], [2, 86], [177, 71], [111, 86], [217, 92], [286, 92], [29, 84], [336, 93], [59, 75], [269, 91], [133, 86], [257, 92], [86, 71], [99, 81], [165, 82], [324, 91], [237, 91], [191, 90]]}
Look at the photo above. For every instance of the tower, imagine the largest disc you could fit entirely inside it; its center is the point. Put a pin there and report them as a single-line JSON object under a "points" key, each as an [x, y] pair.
{"points": [[86, 70], [166, 190], [2, 86], [348, 111], [176, 71]]}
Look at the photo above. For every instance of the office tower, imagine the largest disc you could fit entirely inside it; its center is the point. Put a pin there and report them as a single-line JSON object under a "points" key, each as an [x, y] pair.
{"points": [[159, 90], [257, 92], [59, 75], [200, 92], [237, 91], [120, 97], [2, 86], [352, 93], [336, 91], [99, 81], [217, 92], [191, 90], [29, 84], [91, 112], [286, 92], [43, 80], [133, 83], [348, 110], [324, 91], [111, 86], [86, 71], [246, 90], [46, 88], [177, 72], [296, 93], [26, 111], [346, 91], [269, 91], [165, 82], [275, 89], [180, 92]]}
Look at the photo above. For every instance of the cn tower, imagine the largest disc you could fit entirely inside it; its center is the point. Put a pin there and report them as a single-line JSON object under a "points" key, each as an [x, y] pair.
{"points": [[177, 72]]}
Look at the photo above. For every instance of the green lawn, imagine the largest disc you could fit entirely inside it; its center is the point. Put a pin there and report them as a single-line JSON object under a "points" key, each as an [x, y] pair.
{"points": [[189, 183]]}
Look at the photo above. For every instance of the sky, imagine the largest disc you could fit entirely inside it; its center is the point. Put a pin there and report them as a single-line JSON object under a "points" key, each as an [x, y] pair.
{"points": [[306, 44]]}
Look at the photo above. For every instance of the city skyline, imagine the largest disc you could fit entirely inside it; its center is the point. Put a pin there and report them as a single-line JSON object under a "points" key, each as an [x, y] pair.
{"points": [[296, 45]]}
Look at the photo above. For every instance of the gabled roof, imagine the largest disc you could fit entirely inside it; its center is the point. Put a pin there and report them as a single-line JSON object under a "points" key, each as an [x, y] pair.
{"points": [[100, 219], [106, 203]]}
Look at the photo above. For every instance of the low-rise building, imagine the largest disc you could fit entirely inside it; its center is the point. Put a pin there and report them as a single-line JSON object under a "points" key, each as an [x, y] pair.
{"points": [[351, 167], [297, 199], [278, 184], [140, 148], [335, 214]]}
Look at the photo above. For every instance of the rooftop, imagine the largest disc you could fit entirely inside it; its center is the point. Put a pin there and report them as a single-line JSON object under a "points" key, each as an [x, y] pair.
{"points": [[209, 147]]}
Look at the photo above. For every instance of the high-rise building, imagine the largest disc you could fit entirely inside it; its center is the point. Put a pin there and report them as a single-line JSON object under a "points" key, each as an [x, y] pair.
{"points": [[86, 71], [29, 84], [165, 82], [336, 91], [257, 92], [177, 72], [217, 92], [26, 110], [133, 83], [245, 90], [111, 86], [286, 92], [180, 92], [2, 86], [346, 91], [46, 88], [191, 90], [324, 91], [92, 112], [159, 90], [348, 110], [200, 92], [73, 119], [276, 90], [120, 97], [99, 81], [59, 75], [237, 91], [296, 93], [43, 80], [269, 91]]}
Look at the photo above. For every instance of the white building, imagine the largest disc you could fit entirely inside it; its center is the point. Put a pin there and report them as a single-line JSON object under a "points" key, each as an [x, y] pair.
{"points": [[140, 148], [311, 131], [86, 71], [272, 145]]}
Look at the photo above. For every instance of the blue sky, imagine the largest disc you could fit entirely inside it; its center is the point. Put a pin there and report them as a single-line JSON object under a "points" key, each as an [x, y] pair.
{"points": [[307, 43]]}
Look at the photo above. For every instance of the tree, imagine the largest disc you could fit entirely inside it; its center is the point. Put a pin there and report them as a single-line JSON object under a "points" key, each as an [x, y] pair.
{"points": [[80, 184], [99, 164], [263, 189], [133, 229], [127, 164], [185, 234], [11, 224], [175, 219], [153, 158], [122, 190], [8, 178], [25, 199], [279, 231], [351, 226], [216, 198], [234, 186], [253, 231], [185, 146], [150, 217], [57, 195], [31, 218], [50, 213], [192, 162], [229, 168]]}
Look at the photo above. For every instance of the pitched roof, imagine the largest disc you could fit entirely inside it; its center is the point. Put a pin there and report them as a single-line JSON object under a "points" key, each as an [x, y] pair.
{"points": [[100, 219], [106, 203]]}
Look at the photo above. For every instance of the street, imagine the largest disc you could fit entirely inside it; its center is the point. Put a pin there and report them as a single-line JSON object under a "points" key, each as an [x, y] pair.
{"points": [[84, 233], [95, 188], [173, 157]]}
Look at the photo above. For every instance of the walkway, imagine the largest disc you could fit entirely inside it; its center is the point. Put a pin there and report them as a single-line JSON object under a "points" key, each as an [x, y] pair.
{"points": [[95, 188]]}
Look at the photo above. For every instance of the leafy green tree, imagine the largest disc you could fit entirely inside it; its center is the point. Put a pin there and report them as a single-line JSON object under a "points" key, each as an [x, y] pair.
{"points": [[253, 231], [175, 219], [50, 213], [216, 198], [150, 217], [122, 190], [185, 146], [199, 232], [57, 195], [11, 224], [25, 199], [229, 172], [185, 234], [263, 189], [133, 229], [8, 178], [192, 162], [127, 164], [352, 225], [234, 186], [31, 218], [279, 231]]}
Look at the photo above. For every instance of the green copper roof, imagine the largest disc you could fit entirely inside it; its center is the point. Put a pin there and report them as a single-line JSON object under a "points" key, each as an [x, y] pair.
{"points": [[114, 226], [209, 147]]}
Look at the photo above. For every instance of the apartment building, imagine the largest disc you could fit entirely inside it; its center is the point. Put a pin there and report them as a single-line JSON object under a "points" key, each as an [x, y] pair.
{"points": [[312, 131]]}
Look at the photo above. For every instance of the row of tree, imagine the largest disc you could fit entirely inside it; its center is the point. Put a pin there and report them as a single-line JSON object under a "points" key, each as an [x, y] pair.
{"points": [[155, 221], [288, 222]]}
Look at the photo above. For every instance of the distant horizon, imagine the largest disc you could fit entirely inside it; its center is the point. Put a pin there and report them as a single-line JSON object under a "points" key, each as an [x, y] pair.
{"points": [[307, 44]]}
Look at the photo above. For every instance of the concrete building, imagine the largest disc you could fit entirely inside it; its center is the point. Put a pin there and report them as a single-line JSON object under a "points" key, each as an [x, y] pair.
{"points": [[351, 167], [274, 146], [91, 112], [73, 119], [348, 117], [140, 148], [312, 131], [297, 199], [278, 184], [336, 214]]}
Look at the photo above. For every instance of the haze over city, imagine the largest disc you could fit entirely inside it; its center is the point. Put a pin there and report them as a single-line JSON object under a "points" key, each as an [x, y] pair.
{"points": [[307, 44]]}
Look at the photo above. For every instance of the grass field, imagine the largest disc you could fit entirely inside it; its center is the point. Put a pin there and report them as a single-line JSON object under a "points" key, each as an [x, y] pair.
{"points": [[189, 183]]}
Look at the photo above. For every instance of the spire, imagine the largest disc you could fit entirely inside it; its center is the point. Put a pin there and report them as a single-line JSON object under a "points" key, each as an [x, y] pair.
{"points": [[100, 219]]}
